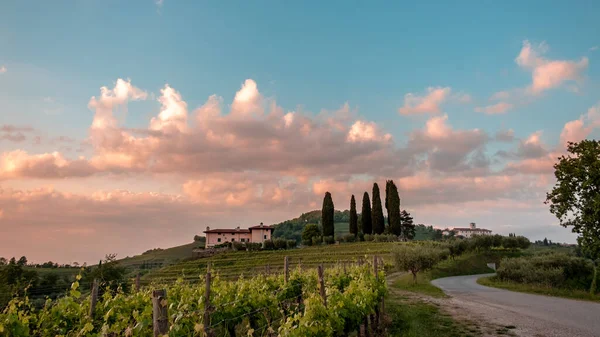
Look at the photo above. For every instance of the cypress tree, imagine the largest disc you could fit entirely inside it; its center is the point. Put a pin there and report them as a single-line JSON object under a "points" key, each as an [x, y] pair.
{"points": [[353, 217], [365, 216], [327, 215], [408, 227], [377, 212], [392, 204]]}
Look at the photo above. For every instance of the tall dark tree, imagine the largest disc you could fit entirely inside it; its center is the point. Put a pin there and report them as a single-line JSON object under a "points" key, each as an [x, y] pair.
{"points": [[353, 217], [365, 216], [377, 212], [327, 215], [575, 197], [408, 226], [392, 204]]}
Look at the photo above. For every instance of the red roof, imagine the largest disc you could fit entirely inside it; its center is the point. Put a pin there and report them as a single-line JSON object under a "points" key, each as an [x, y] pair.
{"points": [[224, 230]]}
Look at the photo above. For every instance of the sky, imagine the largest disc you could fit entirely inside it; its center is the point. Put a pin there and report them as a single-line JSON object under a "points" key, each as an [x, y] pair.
{"points": [[130, 125]]}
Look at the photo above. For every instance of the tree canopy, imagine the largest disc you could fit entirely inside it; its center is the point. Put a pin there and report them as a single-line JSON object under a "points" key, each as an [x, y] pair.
{"points": [[408, 226], [365, 216], [392, 204], [327, 215], [575, 199], [377, 212], [353, 226]]}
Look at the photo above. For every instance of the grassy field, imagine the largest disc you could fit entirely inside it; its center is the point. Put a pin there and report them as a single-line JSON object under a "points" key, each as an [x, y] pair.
{"points": [[233, 264], [539, 290], [162, 257]]}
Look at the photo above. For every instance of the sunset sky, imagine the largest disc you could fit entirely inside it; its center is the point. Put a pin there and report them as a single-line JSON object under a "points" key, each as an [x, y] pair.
{"points": [[130, 125]]}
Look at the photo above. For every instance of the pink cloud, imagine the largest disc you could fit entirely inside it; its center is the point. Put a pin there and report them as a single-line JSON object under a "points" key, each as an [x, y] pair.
{"points": [[579, 129], [3, 69], [427, 103], [18, 164], [497, 108], [362, 131]]}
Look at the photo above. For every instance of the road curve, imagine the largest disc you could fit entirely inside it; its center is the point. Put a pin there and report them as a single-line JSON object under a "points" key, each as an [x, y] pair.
{"points": [[534, 315]]}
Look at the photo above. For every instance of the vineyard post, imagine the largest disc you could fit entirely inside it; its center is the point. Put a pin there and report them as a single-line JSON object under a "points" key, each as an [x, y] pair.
{"points": [[93, 298], [375, 267], [286, 266], [137, 282], [322, 284], [160, 315], [207, 305]]}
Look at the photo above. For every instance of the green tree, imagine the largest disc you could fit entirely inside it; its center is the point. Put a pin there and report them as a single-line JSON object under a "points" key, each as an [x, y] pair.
{"points": [[575, 199], [22, 261], [392, 204], [353, 217], [310, 231], [408, 226], [416, 259], [365, 216], [377, 212], [327, 215]]}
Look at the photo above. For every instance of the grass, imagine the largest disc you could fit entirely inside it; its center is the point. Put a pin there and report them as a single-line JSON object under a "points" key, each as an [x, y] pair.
{"points": [[415, 318], [162, 257], [422, 286], [538, 290]]}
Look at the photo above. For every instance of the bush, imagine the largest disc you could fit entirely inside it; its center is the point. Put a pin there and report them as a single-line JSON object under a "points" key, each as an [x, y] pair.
{"points": [[198, 238], [291, 244], [253, 246], [268, 245], [238, 245], [328, 240], [550, 270], [307, 242], [317, 240], [369, 237], [361, 237], [311, 230], [348, 238]]}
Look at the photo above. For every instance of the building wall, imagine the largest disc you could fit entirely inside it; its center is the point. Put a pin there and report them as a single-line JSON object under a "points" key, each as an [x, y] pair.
{"points": [[261, 234], [213, 238], [468, 234]]}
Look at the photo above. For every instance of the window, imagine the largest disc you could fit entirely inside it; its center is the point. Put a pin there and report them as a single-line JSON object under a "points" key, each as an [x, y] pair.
{"points": [[218, 239], [265, 237], [218, 233], [243, 240], [232, 240]]}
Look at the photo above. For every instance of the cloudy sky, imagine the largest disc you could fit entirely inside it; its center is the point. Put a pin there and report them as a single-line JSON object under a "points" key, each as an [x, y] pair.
{"points": [[129, 125]]}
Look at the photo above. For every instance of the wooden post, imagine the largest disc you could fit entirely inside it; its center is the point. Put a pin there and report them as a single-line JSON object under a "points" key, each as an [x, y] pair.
{"points": [[207, 305], [137, 282], [93, 298], [160, 316], [286, 266], [375, 267], [322, 284], [366, 324]]}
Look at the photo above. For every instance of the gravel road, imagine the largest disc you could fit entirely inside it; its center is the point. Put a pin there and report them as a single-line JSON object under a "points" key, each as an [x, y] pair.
{"points": [[533, 315]]}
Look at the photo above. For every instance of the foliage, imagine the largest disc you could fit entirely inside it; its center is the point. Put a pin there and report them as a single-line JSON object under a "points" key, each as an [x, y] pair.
{"points": [[280, 243], [309, 232], [349, 238], [292, 229], [575, 199], [365, 216], [377, 212], [549, 270], [392, 204], [268, 245], [327, 215], [417, 259], [424, 233], [353, 217], [328, 240], [317, 240], [408, 226], [198, 238], [248, 306]]}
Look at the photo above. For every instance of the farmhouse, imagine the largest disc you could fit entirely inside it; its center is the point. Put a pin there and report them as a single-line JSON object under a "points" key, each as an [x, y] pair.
{"points": [[468, 232], [219, 236]]}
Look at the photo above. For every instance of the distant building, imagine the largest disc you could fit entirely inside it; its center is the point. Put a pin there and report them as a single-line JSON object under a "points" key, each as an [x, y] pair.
{"points": [[468, 232], [219, 236]]}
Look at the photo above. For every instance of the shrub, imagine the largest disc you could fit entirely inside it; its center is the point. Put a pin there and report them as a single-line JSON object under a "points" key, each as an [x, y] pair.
{"points": [[349, 238], [280, 244], [317, 240], [369, 237], [291, 244], [268, 245], [328, 240], [307, 242], [253, 246], [238, 245], [198, 238], [311, 230], [361, 236]]}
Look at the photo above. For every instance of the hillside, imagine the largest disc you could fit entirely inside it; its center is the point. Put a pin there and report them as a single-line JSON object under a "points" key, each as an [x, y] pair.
{"points": [[292, 229], [157, 258]]}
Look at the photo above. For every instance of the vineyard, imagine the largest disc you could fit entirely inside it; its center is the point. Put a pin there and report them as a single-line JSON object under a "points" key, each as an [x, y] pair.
{"points": [[329, 301], [231, 265]]}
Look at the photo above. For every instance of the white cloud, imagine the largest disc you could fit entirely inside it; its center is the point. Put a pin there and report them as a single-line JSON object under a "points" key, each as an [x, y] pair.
{"points": [[429, 102]]}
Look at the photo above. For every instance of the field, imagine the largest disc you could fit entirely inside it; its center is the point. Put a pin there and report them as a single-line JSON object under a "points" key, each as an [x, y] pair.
{"points": [[162, 257], [231, 265]]}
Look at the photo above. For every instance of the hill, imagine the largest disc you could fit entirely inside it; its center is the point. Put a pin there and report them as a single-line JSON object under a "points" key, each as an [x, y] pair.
{"points": [[292, 229], [157, 258]]}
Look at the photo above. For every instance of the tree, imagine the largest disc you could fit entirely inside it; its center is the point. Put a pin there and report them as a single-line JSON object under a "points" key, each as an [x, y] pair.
{"points": [[575, 199], [22, 261], [327, 215], [3, 261], [408, 226], [545, 241], [392, 204], [353, 217], [416, 259], [377, 212], [311, 230], [365, 216]]}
